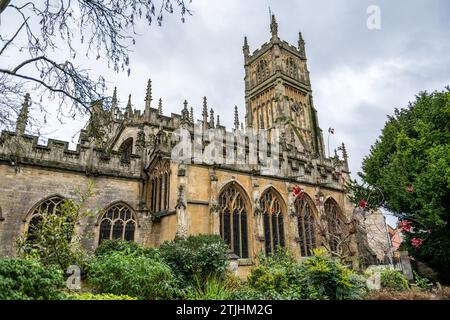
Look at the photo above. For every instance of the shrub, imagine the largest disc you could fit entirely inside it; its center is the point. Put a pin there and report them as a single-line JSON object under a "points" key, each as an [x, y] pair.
{"points": [[126, 247], [110, 246], [54, 239], [393, 279], [131, 274], [212, 288], [27, 279], [331, 279], [196, 257], [93, 296], [278, 276], [422, 282]]}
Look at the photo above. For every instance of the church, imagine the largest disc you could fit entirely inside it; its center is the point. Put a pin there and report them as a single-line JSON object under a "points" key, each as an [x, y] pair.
{"points": [[147, 196]]}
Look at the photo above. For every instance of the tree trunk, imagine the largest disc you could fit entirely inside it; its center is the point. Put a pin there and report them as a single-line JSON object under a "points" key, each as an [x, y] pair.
{"points": [[3, 5]]}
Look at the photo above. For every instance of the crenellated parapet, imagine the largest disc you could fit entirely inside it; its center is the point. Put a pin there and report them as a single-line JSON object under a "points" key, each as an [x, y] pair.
{"points": [[18, 150]]}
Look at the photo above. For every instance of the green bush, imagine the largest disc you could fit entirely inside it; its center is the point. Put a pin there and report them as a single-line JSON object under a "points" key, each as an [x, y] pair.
{"points": [[279, 276], [331, 279], [393, 279], [131, 274], [422, 282], [126, 247], [196, 257], [212, 288], [93, 296], [27, 279]]}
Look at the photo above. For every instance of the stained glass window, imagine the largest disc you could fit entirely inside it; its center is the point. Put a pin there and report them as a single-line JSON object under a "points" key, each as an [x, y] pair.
{"points": [[272, 220], [233, 220], [118, 222], [306, 225], [334, 222], [159, 186], [51, 205]]}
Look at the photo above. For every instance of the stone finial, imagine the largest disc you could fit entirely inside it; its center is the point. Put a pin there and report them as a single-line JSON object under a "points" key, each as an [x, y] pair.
{"points": [[274, 27], [22, 119], [344, 151], [129, 109], [148, 95], [301, 44], [185, 112], [242, 126], [236, 118], [191, 115], [160, 106], [211, 118], [205, 113], [114, 102], [246, 48], [218, 121]]}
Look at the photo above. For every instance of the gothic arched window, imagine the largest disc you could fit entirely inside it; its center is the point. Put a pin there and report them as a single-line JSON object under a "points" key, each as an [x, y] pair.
{"points": [[306, 224], [334, 222], [159, 186], [233, 219], [50, 206], [118, 222], [273, 220], [126, 149]]}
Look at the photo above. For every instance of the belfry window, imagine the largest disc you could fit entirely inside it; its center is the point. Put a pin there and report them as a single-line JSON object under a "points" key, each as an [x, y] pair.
{"points": [[273, 221], [306, 225], [233, 220], [118, 222], [159, 187]]}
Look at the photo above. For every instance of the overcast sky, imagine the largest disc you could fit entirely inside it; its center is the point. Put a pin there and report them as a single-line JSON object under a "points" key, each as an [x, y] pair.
{"points": [[358, 75]]}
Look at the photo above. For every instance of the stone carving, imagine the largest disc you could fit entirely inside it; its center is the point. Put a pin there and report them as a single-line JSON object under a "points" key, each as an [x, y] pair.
{"points": [[182, 214]]}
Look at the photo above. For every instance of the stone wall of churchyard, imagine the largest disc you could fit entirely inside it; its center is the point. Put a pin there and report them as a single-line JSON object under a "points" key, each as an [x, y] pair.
{"points": [[21, 190]]}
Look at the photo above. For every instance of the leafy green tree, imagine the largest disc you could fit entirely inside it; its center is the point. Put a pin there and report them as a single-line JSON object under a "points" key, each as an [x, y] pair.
{"points": [[409, 168], [54, 241]]}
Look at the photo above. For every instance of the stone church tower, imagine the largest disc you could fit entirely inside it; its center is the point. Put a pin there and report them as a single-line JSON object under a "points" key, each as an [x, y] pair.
{"points": [[277, 85], [148, 196]]}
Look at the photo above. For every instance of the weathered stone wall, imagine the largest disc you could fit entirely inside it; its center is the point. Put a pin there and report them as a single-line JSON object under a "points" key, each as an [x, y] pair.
{"points": [[22, 190]]}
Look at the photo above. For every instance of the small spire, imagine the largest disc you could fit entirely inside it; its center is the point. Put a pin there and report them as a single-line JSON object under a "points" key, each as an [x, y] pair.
{"points": [[205, 114], [191, 115], [246, 48], [335, 154], [211, 118], [160, 106], [218, 121], [344, 151], [242, 126], [114, 102], [129, 109], [274, 27], [205, 107], [185, 112], [22, 119], [301, 44], [148, 95], [236, 118]]}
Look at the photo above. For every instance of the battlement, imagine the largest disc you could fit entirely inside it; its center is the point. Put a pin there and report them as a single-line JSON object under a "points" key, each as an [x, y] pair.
{"points": [[25, 149]]}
